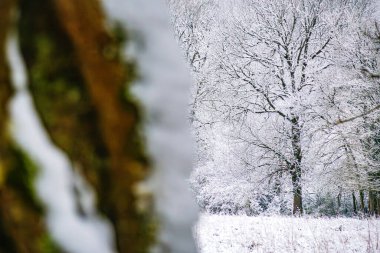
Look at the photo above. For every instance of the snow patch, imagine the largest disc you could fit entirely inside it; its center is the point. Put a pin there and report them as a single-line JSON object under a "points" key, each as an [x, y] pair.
{"points": [[243, 234]]}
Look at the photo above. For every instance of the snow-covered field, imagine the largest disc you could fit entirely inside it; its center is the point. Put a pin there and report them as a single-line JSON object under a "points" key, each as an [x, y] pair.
{"points": [[241, 234]]}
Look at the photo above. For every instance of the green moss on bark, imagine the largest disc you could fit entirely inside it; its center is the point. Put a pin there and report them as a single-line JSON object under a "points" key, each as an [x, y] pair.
{"points": [[22, 227], [21, 177], [58, 89]]}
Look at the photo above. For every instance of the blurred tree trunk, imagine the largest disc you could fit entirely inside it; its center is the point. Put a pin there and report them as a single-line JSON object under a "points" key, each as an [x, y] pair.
{"points": [[362, 206], [22, 227], [78, 79], [339, 199], [354, 203], [373, 203]]}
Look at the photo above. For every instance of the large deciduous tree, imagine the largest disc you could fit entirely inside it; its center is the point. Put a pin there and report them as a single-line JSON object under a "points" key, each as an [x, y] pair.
{"points": [[277, 65]]}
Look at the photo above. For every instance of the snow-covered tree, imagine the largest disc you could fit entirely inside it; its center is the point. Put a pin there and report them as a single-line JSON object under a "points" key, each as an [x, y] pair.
{"points": [[195, 26], [275, 65], [291, 87], [362, 59]]}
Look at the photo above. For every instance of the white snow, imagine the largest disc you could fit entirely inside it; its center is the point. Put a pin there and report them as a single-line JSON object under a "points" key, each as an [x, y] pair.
{"points": [[56, 178], [163, 90], [243, 234]]}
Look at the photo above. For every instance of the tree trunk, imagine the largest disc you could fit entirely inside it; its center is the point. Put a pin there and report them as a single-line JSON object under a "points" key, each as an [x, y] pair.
{"points": [[77, 79], [354, 204], [339, 198], [373, 203], [297, 197], [362, 205], [22, 225], [296, 170]]}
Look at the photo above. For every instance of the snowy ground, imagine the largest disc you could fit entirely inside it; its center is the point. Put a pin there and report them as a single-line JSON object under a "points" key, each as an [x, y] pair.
{"points": [[241, 234]]}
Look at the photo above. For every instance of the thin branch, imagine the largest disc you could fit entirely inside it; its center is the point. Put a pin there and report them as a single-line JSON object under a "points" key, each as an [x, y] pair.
{"points": [[357, 116]]}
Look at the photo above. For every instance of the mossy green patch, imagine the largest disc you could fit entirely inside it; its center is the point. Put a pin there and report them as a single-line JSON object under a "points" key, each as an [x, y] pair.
{"points": [[22, 176], [47, 245]]}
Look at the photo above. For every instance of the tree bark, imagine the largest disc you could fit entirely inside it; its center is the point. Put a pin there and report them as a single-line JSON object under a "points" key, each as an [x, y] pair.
{"points": [[22, 225], [339, 198], [296, 169], [79, 83], [297, 193], [362, 205], [354, 204], [373, 203]]}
